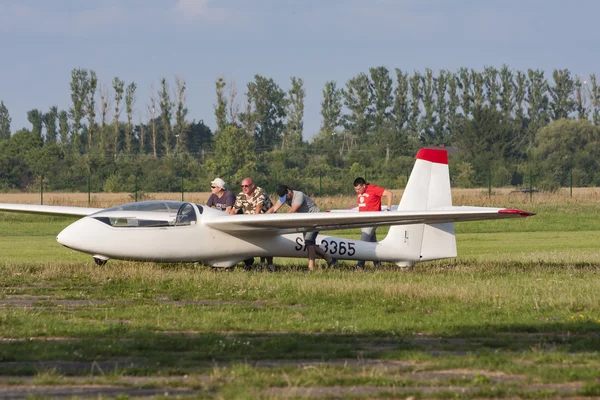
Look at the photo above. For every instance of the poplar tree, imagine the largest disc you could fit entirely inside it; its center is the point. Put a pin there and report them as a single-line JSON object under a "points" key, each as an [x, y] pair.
{"points": [[166, 112], [181, 126], [440, 136], [537, 97], [36, 118], [492, 87], [49, 119], [595, 99], [64, 128], [428, 120], [79, 91], [5, 121], [90, 107], [118, 87], [295, 113], [331, 108], [129, 104], [221, 106], [357, 100], [453, 104], [561, 100], [382, 100]]}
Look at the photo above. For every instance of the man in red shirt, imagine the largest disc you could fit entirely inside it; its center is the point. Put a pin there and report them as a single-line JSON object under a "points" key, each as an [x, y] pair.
{"points": [[369, 199]]}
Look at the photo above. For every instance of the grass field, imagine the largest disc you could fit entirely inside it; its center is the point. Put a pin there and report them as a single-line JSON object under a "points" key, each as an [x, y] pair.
{"points": [[517, 314]]}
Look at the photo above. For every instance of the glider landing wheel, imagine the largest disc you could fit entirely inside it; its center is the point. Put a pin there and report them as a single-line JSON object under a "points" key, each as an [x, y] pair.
{"points": [[100, 261]]}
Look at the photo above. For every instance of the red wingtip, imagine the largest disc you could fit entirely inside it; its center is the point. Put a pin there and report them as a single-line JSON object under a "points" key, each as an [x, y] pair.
{"points": [[433, 155], [520, 212]]}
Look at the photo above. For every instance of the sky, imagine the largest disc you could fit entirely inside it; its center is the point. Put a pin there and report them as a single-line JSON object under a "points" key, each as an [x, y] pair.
{"points": [[142, 41]]}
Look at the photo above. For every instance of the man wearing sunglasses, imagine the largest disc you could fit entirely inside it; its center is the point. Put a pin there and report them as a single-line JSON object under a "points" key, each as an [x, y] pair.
{"points": [[253, 200], [220, 198]]}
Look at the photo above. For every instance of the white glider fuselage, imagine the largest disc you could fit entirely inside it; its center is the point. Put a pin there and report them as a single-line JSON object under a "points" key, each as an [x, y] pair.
{"points": [[201, 243]]}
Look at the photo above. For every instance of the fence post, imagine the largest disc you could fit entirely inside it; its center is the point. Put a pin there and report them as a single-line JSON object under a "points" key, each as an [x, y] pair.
{"points": [[136, 189], [320, 184], [490, 182], [182, 188], [89, 188], [530, 185], [571, 182], [42, 190]]}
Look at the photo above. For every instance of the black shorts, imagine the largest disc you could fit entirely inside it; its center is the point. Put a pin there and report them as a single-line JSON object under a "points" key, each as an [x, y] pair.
{"points": [[310, 237]]}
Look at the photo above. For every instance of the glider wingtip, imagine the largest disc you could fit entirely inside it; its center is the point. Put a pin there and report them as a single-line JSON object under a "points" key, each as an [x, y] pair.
{"points": [[517, 212], [438, 156]]}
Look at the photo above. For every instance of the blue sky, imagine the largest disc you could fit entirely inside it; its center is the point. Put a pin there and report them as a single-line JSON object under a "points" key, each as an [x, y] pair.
{"points": [[316, 40]]}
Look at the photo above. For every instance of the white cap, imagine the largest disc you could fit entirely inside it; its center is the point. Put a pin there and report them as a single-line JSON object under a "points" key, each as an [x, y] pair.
{"points": [[219, 183]]}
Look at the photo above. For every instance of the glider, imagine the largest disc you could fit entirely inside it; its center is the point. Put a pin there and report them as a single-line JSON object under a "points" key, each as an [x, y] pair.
{"points": [[421, 228]]}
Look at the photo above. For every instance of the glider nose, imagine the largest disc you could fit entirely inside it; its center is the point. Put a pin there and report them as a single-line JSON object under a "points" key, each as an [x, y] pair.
{"points": [[71, 236]]}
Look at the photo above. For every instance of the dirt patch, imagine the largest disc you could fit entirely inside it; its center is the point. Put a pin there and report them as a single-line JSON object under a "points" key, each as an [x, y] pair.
{"points": [[24, 392]]}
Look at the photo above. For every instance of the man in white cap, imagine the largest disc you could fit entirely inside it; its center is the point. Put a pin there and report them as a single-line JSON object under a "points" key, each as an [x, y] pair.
{"points": [[301, 203], [220, 198]]}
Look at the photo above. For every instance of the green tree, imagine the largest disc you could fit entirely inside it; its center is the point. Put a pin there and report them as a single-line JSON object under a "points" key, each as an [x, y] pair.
{"points": [[129, 104], [537, 99], [381, 98], [441, 108], [36, 118], [49, 119], [221, 106], [79, 92], [581, 90], [295, 114], [266, 112], [90, 107], [483, 139], [453, 104], [331, 108], [464, 83], [492, 87], [118, 87], [166, 113], [561, 94], [234, 156], [401, 113], [181, 125], [357, 100], [566, 145], [507, 92], [64, 127], [5, 121], [415, 105], [428, 120], [104, 106], [200, 138], [595, 99], [478, 89]]}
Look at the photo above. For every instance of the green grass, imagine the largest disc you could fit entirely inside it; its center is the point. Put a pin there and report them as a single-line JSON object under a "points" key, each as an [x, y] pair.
{"points": [[516, 314]]}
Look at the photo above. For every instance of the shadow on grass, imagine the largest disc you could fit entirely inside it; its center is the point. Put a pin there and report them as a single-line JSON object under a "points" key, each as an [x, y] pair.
{"points": [[182, 352]]}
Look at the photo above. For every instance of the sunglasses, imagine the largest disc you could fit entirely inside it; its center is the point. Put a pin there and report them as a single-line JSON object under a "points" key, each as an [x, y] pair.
{"points": [[213, 187], [246, 185]]}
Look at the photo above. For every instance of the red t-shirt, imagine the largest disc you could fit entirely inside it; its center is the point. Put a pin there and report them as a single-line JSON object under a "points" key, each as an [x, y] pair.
{"points": [[370, 200]]}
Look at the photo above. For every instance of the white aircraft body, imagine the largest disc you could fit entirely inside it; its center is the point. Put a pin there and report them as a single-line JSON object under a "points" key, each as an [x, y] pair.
{"points": [[422, 227]]}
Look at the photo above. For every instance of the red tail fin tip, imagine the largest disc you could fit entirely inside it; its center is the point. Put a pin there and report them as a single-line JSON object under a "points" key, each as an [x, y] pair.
{"points": [[433, 155]]}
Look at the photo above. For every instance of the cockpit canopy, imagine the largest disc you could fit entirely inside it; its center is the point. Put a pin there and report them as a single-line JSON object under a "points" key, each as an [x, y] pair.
{"points": [[155, 213]]}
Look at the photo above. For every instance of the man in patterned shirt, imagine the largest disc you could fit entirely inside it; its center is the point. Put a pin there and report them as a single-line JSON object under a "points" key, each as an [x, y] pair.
{"points": [[253, 200]]}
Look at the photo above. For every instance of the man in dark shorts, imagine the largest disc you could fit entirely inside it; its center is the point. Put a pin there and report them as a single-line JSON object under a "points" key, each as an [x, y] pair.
{"points": [[301, 203]]}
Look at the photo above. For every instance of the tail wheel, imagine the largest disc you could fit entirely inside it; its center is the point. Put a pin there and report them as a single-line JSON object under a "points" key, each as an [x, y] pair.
{"points": [[100, 261]]}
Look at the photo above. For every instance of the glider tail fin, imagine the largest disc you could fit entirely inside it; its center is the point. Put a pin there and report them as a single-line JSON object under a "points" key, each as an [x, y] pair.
{"points": [[428, 188]]}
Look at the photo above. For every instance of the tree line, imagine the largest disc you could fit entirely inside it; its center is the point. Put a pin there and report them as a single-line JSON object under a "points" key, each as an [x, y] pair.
{"points": [[502, 126]]}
